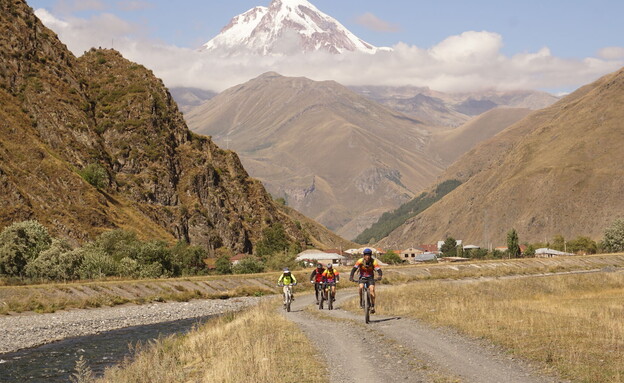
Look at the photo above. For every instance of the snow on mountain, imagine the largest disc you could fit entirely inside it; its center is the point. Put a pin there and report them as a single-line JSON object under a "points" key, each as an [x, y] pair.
{"points": [[286, 27]]}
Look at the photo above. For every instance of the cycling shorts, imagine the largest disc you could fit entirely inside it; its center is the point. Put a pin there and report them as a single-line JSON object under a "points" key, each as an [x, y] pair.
{"points": [[370, 280]]}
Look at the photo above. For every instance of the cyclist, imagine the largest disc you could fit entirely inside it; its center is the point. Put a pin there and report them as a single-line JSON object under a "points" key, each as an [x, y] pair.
{"points": [[287, 280], [367, 266], [316, 277], [331, 276]]}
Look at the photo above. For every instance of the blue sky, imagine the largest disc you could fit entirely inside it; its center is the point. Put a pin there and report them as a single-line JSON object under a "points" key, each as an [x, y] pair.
{"points": [[586, 37]]}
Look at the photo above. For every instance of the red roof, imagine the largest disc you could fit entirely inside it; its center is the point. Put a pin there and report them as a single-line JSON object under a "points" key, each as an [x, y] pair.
{"points": [[238, 257], [428, 248]]}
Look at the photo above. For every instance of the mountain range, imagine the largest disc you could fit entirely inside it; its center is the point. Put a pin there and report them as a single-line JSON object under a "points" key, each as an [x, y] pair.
{"points": [[68, 121], [332, 154], [558, 171]]}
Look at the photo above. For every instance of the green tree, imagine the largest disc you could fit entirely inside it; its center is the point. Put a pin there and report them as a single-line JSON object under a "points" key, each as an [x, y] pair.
{"points": [[21, 243], [95, 174], [274, 240], [513, 246], [583, 245], [559, 243], [153, 256], [223, 264], [613, 241], [189, 259], [449, 248], [119, 244], [391, 258]]}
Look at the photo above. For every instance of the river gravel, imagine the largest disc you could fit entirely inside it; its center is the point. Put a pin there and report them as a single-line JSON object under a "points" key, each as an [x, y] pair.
{"points": [[26, 330]]}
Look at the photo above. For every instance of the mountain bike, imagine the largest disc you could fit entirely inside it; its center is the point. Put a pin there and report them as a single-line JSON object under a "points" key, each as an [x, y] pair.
{"points": [[322, 294], [326, 294], [331, 295], [287, 295], [365, 299], [318, 290]]}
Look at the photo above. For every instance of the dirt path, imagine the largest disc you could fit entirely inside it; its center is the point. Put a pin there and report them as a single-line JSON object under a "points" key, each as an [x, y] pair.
{"points": [[394, 349]]}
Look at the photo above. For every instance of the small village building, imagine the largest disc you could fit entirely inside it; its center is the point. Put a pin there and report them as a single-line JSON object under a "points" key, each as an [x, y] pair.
{"points": [[409, 255], [549, 253], [312, 257], [237, 258]]}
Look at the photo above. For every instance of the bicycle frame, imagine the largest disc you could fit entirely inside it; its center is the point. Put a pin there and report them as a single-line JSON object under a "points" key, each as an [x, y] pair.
{"points": [[365, 299], [287, 289], [326, 295]]}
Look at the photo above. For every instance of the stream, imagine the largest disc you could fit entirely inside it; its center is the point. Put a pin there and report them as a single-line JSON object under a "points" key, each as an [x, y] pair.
{"points": [[56, 362]]}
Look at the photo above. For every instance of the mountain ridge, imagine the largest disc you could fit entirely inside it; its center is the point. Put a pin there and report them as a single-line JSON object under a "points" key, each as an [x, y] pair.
{"points": [[556, 172], [329, 151], [63, 115]]}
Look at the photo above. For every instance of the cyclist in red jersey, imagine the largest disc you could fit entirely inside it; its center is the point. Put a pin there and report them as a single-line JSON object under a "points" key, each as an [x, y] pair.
{"points": [[367, 266], [316, 277]]}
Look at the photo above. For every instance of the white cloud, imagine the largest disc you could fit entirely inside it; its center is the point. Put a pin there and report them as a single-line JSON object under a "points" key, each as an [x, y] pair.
{"points": [[133, 5], [611, 53], [102, 30], [374, 23], [71, 6], [466, 62]]}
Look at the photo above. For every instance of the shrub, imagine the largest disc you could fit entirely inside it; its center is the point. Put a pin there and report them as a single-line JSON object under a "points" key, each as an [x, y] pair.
{"points": [[391, 258], [21, 243], [129, 267], [248, 265], [96, 264], [280, 260], [95, 175], [57, 263]]}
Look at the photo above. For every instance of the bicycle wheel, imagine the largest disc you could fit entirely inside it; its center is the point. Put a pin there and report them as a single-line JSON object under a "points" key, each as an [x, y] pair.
{"points": [[321, 299], [288, 301], [330, 301], [367, 306]]}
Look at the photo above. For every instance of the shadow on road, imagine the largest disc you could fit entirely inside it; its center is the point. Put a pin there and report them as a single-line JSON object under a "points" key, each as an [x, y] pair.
{"points": [[384, 320]]}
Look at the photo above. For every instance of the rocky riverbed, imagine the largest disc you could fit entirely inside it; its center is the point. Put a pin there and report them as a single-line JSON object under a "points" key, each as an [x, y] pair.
{"points": [[30, 329]]}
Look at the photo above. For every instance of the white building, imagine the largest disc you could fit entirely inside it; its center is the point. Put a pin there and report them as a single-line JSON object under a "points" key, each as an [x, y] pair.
{"points": [[312, 257]]}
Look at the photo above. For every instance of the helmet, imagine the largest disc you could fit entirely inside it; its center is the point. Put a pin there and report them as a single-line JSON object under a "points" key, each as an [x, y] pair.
{"points": [[367, 251], [329, 266], [286, 271], [319, 266]]}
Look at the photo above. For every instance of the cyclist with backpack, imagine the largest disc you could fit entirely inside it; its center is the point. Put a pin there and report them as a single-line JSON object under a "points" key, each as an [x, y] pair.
{"points": [[367, 266], [287, 280], [331, 276], [316, 277]]}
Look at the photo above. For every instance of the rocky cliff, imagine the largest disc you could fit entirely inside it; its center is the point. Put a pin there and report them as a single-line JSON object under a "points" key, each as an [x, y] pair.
{"points": [[63, 117]]}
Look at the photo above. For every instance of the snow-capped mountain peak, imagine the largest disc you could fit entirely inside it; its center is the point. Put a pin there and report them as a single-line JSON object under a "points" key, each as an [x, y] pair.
{"points": [[286, 27]]}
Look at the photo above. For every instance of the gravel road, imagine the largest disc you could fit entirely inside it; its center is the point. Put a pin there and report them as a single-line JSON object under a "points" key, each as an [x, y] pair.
{"points": [[29, 330], [394, 349]]}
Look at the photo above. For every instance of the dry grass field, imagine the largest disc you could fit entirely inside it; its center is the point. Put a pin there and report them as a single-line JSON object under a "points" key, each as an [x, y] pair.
{"points": [[58, 296], [257, 345], [570, 323]]}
